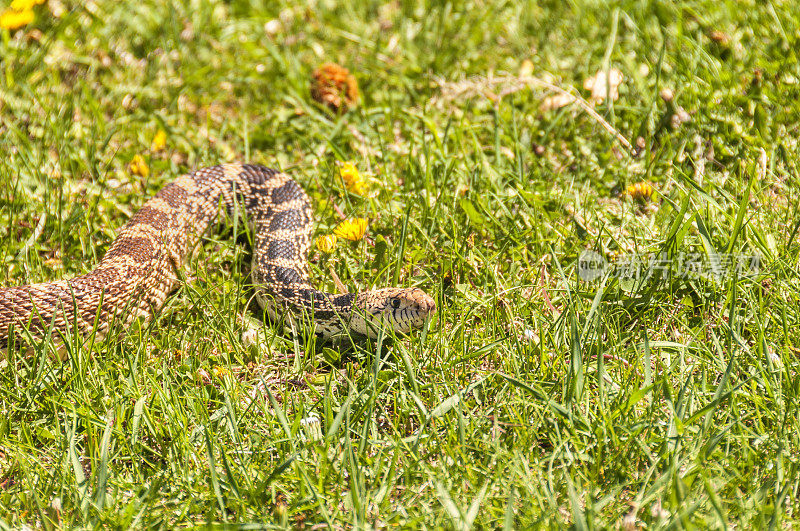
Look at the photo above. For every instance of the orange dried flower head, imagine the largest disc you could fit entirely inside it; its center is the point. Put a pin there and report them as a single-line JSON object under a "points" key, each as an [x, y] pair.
{"points": [[334, 86]]}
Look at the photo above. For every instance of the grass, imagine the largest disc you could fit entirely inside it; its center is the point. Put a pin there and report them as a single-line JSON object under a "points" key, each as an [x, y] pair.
{"points": [[534, 398]]}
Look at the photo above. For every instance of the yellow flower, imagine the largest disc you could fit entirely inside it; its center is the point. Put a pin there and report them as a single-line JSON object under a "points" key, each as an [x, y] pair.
{"points": [[138, 166], [352, 179], [219, 371], [159, 141], [640, 191], [349, 172], [526, 68], [351, 229], [326, 243], [24, 5], [12, 19]]}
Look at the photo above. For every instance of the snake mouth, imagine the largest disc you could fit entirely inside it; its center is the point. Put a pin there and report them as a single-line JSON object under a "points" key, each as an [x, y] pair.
{"points": [[420, 301], [416, 308], [397, 309]]}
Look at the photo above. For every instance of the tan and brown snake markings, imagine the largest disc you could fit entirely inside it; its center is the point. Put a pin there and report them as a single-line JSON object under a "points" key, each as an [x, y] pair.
{"points": [[140, 269]]}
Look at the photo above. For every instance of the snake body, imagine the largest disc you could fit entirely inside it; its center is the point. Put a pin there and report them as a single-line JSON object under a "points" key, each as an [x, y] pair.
{"points": [[141, 266]]}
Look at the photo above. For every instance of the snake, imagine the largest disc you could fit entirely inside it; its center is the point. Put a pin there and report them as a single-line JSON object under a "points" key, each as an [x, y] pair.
{"points": [[143, 266]]}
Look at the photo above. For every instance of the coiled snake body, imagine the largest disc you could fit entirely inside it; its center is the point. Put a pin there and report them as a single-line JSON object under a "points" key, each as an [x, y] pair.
{"points": [[140, 269]]}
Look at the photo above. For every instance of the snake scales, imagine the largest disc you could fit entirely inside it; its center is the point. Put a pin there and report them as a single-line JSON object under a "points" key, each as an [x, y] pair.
{"points": [[141, 267]]}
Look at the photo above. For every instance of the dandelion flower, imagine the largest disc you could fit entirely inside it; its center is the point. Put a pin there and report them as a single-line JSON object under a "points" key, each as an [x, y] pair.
{"points": [[138, 166], [326, 243], [159, 141], [353, 179], [334, 86], [640, 191], [351, 229], [219, 371], [25, 5], [12, 19]]}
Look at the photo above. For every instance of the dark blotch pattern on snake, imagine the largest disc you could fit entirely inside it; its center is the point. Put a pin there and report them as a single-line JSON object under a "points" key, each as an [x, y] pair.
{"points": [[141, 267]]}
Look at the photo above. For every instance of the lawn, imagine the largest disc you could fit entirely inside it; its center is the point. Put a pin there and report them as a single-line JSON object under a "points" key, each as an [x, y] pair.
{"points": [[502, 143]]}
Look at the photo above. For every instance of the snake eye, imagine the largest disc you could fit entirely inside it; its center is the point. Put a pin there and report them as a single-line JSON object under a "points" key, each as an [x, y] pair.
{"points": [[395, 303]]}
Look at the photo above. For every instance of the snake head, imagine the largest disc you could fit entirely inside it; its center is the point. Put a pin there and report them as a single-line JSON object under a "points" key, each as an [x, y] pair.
{"points": [[399, 309]]}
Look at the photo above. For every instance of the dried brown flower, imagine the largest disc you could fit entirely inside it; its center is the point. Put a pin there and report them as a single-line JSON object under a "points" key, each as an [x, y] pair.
{"points": [[334, 86]]}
